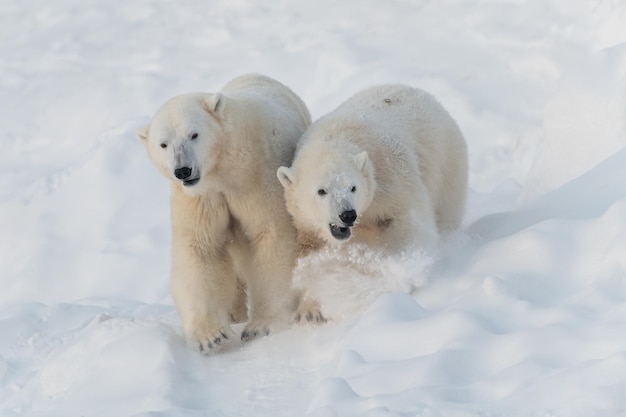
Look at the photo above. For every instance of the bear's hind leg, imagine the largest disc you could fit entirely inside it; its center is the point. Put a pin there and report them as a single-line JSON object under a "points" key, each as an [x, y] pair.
{"points": [[239, 309]]}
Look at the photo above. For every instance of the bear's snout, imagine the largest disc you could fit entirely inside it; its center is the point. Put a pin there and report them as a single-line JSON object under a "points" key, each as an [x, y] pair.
{"points": [[182, 173], [348, 217]]}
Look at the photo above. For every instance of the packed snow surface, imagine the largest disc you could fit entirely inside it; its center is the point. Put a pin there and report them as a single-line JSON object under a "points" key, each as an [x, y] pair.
{"points": [[520, 313]]}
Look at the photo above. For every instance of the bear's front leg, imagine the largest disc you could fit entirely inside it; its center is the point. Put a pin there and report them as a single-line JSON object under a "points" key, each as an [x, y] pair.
{"points": [[200, 300], [272, 299], [411, 229], [204, 284]]}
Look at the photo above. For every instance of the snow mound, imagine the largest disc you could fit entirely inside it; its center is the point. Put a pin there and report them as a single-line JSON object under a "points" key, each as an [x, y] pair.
{"points": [[583, 121]]}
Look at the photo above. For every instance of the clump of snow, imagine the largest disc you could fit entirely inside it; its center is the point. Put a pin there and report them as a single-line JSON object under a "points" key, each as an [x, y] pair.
{"points": [[345, 280]]}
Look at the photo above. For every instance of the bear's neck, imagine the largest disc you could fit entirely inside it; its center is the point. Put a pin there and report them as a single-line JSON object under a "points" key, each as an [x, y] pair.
{"points": [[245, 148], [308, 242]]}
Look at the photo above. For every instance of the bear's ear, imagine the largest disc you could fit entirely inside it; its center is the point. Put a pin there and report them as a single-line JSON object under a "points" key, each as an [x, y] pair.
{"points": [[286, 176], [361, 160], [214, 102], [142, 133]]}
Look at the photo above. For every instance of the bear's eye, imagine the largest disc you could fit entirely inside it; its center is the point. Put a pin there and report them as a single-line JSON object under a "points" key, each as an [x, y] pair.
{"points": [[353, 189], [193, 136], [164, 145], [321, 192]]}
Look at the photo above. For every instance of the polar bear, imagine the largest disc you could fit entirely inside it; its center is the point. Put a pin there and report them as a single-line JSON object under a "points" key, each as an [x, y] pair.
{"points": [[231, 233], [388, 169]]}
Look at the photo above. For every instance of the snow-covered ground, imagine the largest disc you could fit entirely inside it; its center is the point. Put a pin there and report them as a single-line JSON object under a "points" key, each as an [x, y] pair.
{"points": [[522, 313]]}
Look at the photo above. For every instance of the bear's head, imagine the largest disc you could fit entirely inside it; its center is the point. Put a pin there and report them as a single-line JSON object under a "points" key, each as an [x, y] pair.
{"points": [[326, 194], [184, 139]]}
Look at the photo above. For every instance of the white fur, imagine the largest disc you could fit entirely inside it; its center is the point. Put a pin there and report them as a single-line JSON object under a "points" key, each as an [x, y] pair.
{"points": [[404, 154], [230, 229]]}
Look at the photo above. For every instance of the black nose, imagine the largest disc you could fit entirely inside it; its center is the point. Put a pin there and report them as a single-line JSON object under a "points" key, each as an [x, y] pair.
{"points": [[348, 217], [182, 173]]}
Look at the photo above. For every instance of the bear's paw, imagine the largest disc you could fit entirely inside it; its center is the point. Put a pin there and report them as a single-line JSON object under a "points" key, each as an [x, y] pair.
{"points": [[255, 329], [210, 338], [309, 311]]}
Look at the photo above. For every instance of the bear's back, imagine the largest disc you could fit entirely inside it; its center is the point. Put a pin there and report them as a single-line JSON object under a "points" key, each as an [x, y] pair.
{"points": [[273, 95], [282, 115], [397, 109]]}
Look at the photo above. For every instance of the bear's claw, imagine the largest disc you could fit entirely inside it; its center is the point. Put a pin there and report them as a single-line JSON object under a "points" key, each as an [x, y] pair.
{"points": [[249, 334], [218, 340], [311, 317], [211, 343], [310, 311]]}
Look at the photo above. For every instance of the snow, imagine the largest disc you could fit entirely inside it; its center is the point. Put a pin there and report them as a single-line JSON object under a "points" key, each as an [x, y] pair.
{"points": [[520, 313]]}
